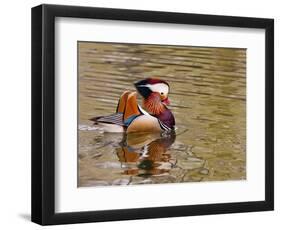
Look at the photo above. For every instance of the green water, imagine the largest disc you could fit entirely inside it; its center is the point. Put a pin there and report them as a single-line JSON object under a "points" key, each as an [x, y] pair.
{"points": [[208, 99]]}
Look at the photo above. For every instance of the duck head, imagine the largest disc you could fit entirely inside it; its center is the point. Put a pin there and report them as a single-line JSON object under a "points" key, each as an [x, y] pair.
{"points": [[155, 94]]}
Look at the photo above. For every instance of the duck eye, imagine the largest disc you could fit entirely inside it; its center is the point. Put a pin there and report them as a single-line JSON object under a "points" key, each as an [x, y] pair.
{"points": [[161, 93]]}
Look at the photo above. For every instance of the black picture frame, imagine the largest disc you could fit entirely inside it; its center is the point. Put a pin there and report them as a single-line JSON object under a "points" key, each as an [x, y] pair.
{"points": [[43, 114]]}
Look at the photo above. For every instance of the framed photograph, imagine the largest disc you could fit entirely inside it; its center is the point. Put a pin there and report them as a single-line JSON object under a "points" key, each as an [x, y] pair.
{"points": [[143, 114]]}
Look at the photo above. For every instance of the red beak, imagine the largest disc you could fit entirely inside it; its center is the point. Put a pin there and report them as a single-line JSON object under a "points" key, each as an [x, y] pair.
{"points": [[166, 101]]}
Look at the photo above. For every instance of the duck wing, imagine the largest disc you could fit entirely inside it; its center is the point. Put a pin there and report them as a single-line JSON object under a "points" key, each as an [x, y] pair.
{"points": [[116, 118], [131, 110]]}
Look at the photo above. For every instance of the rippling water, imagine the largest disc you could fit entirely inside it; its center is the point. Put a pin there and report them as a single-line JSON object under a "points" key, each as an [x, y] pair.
{"points": [[208, 99]]}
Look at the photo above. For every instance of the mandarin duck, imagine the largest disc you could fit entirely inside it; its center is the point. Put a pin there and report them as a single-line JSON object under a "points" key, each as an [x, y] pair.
{"points": [[152, 116]]}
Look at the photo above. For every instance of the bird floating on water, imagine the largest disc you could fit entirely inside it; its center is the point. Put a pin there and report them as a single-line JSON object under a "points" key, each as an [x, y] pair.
{"points": [[152, 116]]}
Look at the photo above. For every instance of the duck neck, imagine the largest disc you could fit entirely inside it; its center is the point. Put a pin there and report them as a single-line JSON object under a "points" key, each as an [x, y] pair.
{"points": [[153, 104]]}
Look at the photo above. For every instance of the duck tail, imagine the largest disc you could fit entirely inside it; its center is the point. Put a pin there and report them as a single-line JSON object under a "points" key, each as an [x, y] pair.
{"points": [[116, 119]]}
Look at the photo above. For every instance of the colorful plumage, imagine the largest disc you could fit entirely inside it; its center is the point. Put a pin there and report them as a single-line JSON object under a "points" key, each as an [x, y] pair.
{"points": [[153, 116]]}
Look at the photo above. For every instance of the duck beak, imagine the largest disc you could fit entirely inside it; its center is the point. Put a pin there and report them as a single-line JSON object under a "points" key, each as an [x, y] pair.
{"points": [[166, 101]]}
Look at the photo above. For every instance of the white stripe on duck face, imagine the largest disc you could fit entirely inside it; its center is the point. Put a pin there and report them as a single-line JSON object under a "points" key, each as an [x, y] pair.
{"points": [[161, 88]]}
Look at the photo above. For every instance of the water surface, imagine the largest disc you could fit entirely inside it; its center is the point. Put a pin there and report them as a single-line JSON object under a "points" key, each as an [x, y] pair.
{"points": [[208, 99]]}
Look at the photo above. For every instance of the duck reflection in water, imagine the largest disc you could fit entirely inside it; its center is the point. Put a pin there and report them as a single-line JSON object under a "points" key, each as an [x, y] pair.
{"points": [[146, 154]]}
